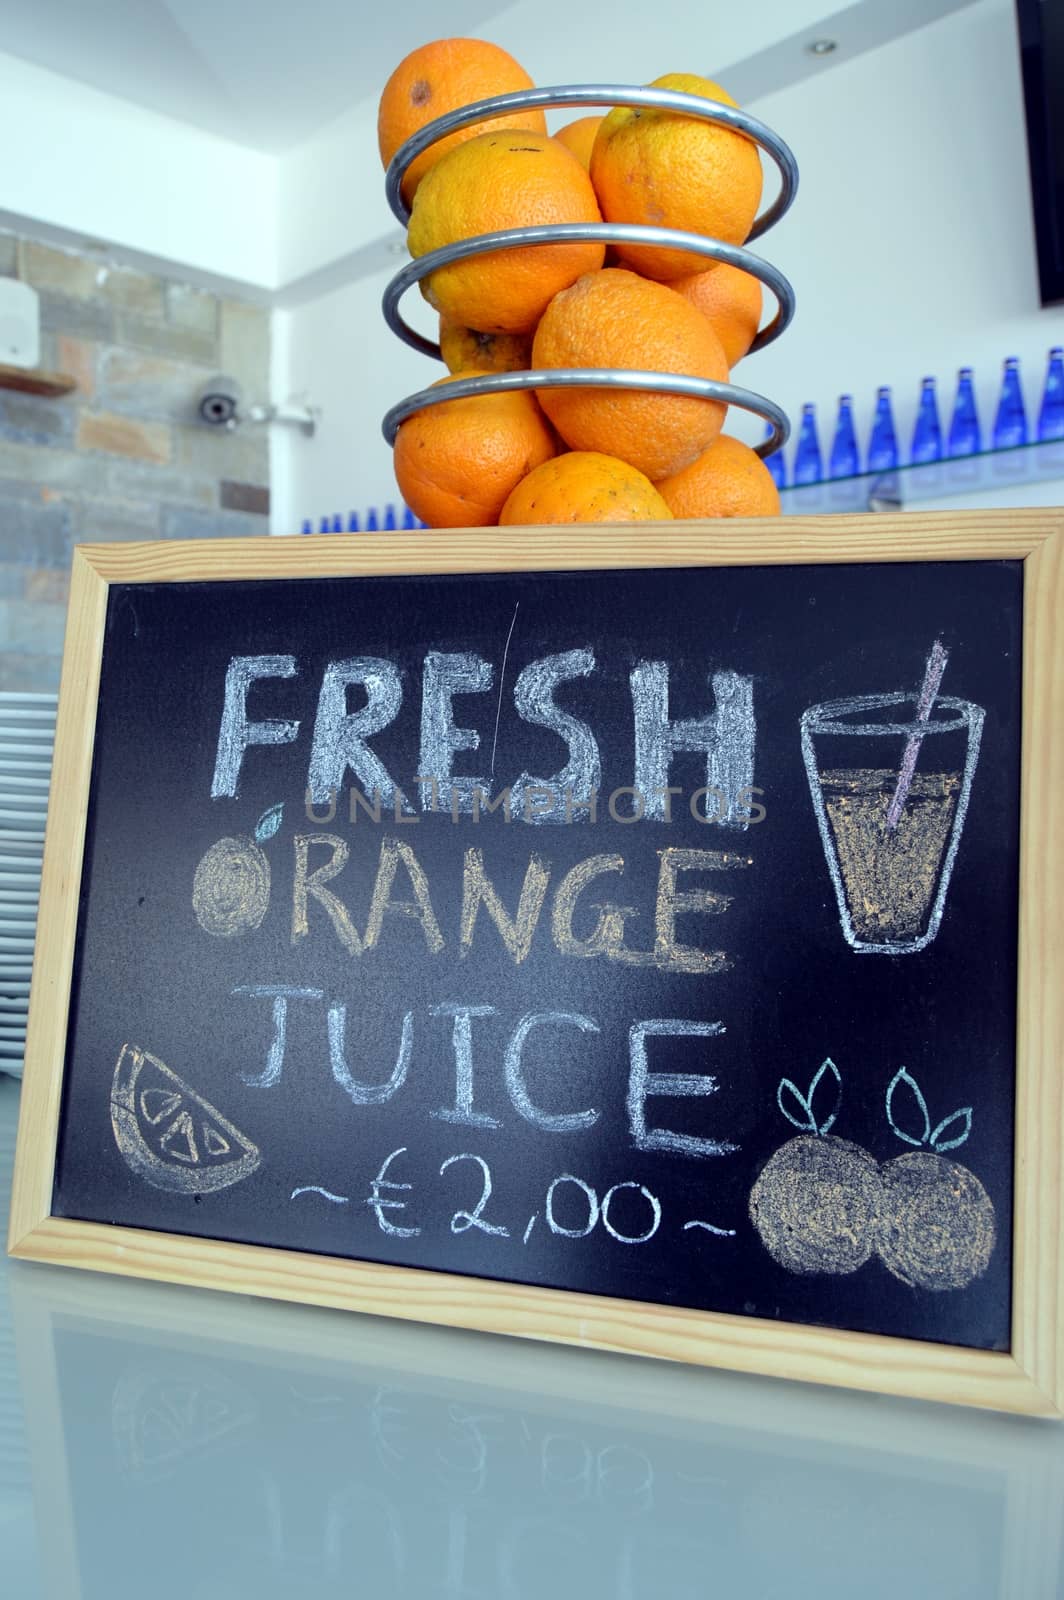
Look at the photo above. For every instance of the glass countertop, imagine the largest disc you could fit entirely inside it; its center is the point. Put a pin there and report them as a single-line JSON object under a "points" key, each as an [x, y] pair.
{"points": [[176, 1443]]}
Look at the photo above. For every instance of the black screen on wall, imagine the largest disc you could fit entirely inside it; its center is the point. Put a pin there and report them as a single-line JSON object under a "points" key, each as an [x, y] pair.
{"points": [[1041, 31]]}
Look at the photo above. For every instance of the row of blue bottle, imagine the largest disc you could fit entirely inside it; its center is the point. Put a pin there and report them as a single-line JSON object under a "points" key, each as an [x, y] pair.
{"points": [[391, 518], [964, 436]]}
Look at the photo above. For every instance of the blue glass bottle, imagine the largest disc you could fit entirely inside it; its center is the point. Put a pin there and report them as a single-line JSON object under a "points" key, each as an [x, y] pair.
{"points": [[1010, 424], [844, 461], [927, 431], [323, 525], [389, 519], [883, 445], [775, 462], [808, 466], [337, 523], [1051, 414], [308, 526], [352, 522], [409, 519], [965, 435], [372, 525]]}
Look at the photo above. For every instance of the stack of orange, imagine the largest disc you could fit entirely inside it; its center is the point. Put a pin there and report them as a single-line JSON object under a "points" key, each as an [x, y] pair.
{"points": [[575, 455]]}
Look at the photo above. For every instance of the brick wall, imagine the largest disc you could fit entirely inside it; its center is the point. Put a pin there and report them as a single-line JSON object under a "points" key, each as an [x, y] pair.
{"points": [[122, 457]]}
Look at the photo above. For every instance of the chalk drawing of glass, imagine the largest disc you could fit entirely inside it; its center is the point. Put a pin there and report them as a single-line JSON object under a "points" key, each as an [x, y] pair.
{"points": [[890, 789]]}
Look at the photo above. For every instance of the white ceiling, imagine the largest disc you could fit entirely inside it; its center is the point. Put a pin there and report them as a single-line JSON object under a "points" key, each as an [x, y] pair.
{"points": [[269, 73], [266, 73]]}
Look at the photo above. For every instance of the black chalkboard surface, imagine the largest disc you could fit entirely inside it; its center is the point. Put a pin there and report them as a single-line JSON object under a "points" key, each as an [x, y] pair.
{"points": [[647, 934]]}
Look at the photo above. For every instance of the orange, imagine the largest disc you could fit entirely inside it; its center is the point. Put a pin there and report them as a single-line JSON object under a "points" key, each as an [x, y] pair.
{"points": [[615, 319], [579, 136], [231, 888], [456, 462], [463, 349], [728, 480], [731, 299], [503, 180], [441, 77], [676, 171], [584, 486]]}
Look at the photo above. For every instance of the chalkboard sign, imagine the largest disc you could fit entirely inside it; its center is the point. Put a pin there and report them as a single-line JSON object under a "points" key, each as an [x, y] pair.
{"points": [[646, 944]]}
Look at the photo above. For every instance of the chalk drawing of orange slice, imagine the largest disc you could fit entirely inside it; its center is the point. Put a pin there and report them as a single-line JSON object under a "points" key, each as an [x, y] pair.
{"points": [[169, 1135]]}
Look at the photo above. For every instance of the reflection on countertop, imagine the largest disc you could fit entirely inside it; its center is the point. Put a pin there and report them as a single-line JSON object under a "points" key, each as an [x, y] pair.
{"points": [[183, 1443]]}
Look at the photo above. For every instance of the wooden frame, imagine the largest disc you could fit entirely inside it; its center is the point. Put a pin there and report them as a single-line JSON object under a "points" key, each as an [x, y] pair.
{"points": [[1028, 1378]]}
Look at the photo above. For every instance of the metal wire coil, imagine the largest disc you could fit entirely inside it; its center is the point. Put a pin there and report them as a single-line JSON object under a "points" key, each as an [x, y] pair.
{"points": [[589, 378], [607, 233]]}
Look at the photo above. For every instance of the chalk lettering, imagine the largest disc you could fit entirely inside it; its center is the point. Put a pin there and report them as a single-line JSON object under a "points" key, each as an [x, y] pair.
{"points": [[655, 1214], [700, 808], [394, 851], [589, 804], [462, 1221], [462, 1039], [236, 734], [537, 803], [478, 890], [312, 810], [306, 883], [367, 1094], [673, 902], [535, 702], [446, 675], [642, 1083], [548, 1122], [668, 793], [726, 735], [379, 1203], [607, 936], [340, 736], [592, 1208], [747, 809], [280, 994], [357, 802]]}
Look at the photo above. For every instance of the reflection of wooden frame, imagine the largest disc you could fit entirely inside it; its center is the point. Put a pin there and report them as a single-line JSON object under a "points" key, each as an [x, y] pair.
{"points": [[1028, 1378]]}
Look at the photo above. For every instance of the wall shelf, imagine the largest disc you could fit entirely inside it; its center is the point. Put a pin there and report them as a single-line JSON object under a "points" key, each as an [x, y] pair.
{"points": [[31, 380], [938, 480]]}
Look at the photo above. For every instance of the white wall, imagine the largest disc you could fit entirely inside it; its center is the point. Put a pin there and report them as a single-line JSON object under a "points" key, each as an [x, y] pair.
{"points": [[910, 247], [338, 350], [90, 166], [332, 195]]}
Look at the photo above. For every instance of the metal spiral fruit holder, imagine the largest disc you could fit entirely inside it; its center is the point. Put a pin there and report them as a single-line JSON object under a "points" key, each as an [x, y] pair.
{"points": [[596, 94]]}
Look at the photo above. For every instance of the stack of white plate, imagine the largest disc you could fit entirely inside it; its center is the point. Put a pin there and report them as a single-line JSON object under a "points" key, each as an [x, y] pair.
{"points": [[27, 735]]}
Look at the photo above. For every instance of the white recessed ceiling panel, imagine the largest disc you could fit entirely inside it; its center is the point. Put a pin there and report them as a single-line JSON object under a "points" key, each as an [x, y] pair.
{"points": [[266, 73], [270, 73]]}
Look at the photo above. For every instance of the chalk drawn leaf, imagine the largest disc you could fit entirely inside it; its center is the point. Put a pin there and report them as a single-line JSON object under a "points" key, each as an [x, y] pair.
{"points": [[826, 1066], [903, 1078], [804, 1119], [269, 823], [963, 1116]]}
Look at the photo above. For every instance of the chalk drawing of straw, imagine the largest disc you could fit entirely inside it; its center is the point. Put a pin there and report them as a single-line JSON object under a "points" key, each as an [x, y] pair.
{"points": [[890, 833]]}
